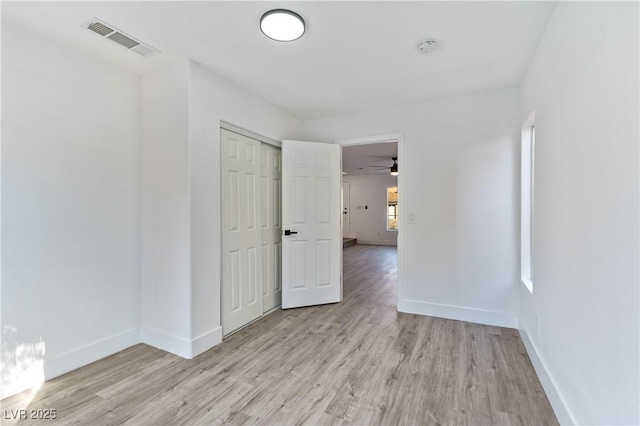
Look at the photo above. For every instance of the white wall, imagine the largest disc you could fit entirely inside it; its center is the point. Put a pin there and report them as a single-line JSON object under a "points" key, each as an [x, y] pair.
{"points": [[182, 107], [460, 179], [111, 198], [165, 210], [369, 225], [70, 268], [581, 323], [211, 100]]}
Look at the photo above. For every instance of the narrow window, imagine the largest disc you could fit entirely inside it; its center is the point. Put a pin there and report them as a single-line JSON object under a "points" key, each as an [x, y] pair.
{"points": [[526, 201], [392, 208]]}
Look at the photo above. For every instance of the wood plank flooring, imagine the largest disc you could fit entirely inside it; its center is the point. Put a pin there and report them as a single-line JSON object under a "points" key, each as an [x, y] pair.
{"points": [[355, 362]]}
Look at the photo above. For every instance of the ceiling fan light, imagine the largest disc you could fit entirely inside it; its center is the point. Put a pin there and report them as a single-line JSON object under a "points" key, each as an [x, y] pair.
{"points": [[282, 25]]}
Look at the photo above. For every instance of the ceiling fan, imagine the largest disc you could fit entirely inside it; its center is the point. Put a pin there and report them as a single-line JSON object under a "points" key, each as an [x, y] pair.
{"points": [[393, 169]]}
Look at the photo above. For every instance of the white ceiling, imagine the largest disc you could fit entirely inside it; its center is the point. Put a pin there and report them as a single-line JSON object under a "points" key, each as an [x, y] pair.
{"points": [[358, 159], [354, 56]]}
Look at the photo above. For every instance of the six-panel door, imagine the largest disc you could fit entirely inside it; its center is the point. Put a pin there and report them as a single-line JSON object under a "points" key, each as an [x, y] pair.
{"points": [[241, 230], [312, 253], [271, 216]]}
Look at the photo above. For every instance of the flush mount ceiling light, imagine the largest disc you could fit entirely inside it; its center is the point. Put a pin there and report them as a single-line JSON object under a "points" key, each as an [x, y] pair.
{"points": [[427, 46], [282, 25]]}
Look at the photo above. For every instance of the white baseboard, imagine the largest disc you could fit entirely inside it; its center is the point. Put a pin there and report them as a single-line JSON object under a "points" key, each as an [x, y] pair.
{"points": [[206, 341], [376, 243], [167, 342], [558, 403], [57, 365], [71, 360], [50, 366], [460, 313], [185, 348]]}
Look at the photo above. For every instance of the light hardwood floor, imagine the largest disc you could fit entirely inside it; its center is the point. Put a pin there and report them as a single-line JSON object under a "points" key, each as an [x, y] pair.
{"points": [[355, 362]]}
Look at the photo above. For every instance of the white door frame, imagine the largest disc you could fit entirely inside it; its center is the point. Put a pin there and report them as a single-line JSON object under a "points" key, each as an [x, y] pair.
{"points": [[399, 138], [346, 227], [249, 134]]}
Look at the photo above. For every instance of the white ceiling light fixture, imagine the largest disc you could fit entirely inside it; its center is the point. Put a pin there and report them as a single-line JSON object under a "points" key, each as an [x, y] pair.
{"points": [[427, 46], [282, 25]]}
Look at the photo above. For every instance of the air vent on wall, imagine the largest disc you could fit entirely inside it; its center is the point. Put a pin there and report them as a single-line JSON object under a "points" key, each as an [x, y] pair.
{"points": [[123, 39]]}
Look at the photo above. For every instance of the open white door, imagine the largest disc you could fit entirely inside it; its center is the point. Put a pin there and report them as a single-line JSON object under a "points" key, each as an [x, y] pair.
{"points": [[311, 244]]}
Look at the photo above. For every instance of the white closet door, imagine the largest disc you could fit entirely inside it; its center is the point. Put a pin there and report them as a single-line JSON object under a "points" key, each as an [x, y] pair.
{"points": [[271, 187], [241, 233]]}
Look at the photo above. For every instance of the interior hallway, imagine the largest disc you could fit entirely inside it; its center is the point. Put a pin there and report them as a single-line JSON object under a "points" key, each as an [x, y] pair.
{"points": [[355, 362]]}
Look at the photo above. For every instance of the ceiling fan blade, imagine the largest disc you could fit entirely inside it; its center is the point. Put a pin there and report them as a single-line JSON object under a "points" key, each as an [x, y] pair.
{"points": [[381, 167]]}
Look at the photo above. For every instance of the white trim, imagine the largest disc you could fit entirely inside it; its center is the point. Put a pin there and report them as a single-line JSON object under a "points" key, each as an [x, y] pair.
{"points": [[347, 183], [527, 160], [235, 129], [375, 243], [167, 342], [206, 341], [531, 120], [558, 402], [92, 352], [185, 348], [54, 366], [368, 140], [399, 138], [460, 313]]}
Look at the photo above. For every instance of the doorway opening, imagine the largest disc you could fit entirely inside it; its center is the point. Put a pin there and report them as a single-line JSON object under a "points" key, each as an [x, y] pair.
{"points": [[304, 208], [371, 207]]}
